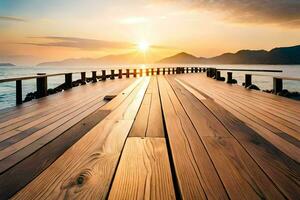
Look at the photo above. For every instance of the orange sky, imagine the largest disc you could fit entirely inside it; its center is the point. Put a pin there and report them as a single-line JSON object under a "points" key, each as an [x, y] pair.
{"points": [[36, 31]]}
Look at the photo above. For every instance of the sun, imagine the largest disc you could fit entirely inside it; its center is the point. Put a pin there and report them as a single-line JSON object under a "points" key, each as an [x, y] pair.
{"points": [[143, 46]]}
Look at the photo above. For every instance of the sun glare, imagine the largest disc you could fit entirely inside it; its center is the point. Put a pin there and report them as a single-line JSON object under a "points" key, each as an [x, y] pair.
{"points": [[143, 46]]}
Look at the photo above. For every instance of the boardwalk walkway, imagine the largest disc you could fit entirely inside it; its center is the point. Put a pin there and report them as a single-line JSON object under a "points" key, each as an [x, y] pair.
{"points": [[181, 136]]}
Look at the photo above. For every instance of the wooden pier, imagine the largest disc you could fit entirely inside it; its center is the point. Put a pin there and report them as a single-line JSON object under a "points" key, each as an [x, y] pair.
{"points": [[171, 134]]}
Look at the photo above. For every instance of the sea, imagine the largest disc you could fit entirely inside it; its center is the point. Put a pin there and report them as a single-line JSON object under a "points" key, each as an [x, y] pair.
{"points": [[7, 89]]}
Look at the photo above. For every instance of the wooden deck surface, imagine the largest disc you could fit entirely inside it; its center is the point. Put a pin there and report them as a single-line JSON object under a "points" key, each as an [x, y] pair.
{"points": [[181, 136]]}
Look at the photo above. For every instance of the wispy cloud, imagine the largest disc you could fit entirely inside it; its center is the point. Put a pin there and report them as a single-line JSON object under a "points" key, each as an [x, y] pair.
{"points": [[9, 18], [80, 43], [281, 12]]}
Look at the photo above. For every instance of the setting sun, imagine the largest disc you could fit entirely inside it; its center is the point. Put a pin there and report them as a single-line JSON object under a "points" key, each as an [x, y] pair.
{"points": [[143, 46]]}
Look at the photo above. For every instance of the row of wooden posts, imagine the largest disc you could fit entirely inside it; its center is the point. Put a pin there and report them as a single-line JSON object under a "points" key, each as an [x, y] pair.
{"points": [[42, 82], [216, 74]]}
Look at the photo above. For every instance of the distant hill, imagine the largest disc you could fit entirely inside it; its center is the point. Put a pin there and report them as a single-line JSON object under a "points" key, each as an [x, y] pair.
{"points": [[283, 55], [130, 58], [7, 64]]}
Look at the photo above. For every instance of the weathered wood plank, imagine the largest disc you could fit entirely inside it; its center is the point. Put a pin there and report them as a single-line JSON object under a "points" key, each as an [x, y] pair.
{"points": [[94, 157], [196, 175], [242, 177], [282, 170], [144, 171]]}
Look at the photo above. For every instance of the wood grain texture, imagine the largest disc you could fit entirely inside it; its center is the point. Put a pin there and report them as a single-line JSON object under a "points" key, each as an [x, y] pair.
{"points": [[149, 120], [242, 177], [282, 170], [94, 157], [144, 171], [196, 175]]}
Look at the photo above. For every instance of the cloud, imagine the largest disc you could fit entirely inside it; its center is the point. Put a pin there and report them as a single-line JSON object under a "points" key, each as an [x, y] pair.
{"points": [[80, 43], [9, 18], [281, 12]]}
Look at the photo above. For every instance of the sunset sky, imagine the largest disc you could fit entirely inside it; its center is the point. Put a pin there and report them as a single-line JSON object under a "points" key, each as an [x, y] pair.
{"points": [[34, 31]]}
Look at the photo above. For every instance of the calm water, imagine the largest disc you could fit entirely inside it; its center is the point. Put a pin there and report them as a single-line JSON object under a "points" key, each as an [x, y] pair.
{"points": [[7, 90]]}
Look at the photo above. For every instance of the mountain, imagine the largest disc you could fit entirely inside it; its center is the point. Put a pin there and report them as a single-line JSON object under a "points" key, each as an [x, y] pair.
{"points": [[282, 55], [7, 64], [130, 58]]}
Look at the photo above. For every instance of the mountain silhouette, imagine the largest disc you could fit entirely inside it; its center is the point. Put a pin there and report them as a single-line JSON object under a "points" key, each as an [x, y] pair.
{"points": [[283, 55]]}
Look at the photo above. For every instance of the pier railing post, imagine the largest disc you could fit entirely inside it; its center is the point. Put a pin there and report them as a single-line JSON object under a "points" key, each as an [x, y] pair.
{"points": [[192, 70], [68, 80], [94, 76], [152, 71], [103, 75], [200, 69], [41, 85], [157, 71], [204, 69], [196, 70], [127, 73], [169, 70], [112, 74], [147, 72], [83, 78], [218, 75], [141, 72], [120, 74], [134, 72], [19, 92], [164, 71], [173, 70], [229, 77], [248, 80], [277, 85]]}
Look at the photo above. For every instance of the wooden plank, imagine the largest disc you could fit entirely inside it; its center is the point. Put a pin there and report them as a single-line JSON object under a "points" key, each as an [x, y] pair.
{"points": [[144, 171], [196, 175], [242, 177], [94, 157], [28, 150], [155, 121], [149, 119], [282, 170], [140, 125], [289, 149]]}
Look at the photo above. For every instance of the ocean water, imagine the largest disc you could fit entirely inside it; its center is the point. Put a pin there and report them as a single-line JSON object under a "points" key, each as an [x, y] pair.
{"points": [[7, 90]]}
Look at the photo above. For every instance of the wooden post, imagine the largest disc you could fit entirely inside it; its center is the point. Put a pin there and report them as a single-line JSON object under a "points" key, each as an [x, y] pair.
{"points": [[41, 86], [204, 69], [173, 70], [134, 72], [196, 69], [200, 69], [187, 70], [164, 71], [112, 74], [157, 71], [120, 73], [192, 69], [169, 70], [147, 72], [127, 73], [141, 72], [19, 92], [94, 76], [68, 80], [248, 80], [277, 85], [152, 71], [83, 78], [103, 75], [218, 75], [229, 77]]}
